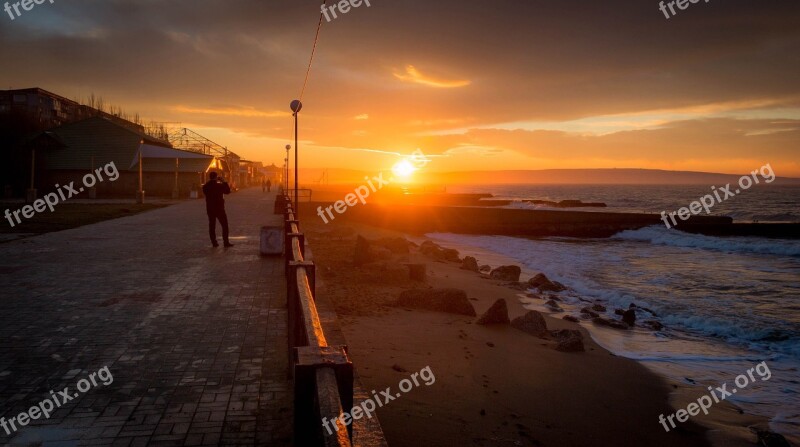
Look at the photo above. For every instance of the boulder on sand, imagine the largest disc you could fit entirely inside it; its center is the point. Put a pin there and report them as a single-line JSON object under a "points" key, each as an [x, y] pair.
{"points": [[600, 321], [497, 314], [366, 252], [470, 263], [429, 248], [506, 273], [452, 301], [396, 245], [363, 254], [569, 340], [532, 322], [541, 282]]}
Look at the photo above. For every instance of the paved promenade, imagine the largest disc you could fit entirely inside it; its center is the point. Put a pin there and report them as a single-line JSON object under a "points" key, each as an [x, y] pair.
{"points": [[194, 337]]}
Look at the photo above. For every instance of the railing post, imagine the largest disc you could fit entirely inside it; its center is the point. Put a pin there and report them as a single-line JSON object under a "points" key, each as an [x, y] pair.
{"points": [[288, 225], [296, 325], [308, 360]]}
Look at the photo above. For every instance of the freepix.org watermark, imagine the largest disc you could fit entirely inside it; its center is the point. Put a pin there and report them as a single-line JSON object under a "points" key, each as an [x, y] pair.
{"points": [[716, 395], [681, 4], [45, 408], [49, 201], [406, 167], [26, 5], [708, 201], [344, 7], [368, 407]]}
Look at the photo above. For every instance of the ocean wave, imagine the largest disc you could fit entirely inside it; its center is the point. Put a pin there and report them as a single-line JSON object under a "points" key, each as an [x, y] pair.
{"points": [[658, 235]]}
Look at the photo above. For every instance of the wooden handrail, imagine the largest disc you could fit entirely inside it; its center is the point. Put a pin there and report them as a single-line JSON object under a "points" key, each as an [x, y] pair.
{"points": [[328, 391]]}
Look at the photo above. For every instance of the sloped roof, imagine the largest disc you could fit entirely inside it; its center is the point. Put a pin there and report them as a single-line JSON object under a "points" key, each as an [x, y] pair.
{"points": [[163, 159], [94, 142]]}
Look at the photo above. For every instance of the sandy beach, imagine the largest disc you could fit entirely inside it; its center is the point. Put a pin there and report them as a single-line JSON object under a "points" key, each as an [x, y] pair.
{"points": [[495, 385]]}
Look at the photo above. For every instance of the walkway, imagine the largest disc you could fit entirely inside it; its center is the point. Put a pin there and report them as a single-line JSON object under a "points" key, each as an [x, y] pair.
{"points": [[194, 337]]}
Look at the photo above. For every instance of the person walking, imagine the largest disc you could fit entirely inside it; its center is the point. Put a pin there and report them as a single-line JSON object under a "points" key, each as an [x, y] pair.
{"points": [[263, 186], [269, 185], [215, 190]]}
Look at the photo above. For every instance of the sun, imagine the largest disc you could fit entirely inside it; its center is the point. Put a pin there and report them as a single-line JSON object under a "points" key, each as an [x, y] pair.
{"points": [[403, 169]]}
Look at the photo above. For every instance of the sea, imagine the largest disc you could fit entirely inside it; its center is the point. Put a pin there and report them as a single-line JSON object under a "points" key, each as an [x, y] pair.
{"points": [[726, 304]]}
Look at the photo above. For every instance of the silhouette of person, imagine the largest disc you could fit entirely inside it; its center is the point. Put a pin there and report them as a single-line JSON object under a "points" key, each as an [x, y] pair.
{"points": [[214, 191], [269, 185], [263, 186]]}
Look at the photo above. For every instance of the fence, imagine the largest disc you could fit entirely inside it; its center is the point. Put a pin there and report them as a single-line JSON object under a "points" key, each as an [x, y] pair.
{"points": [[323, 374]]}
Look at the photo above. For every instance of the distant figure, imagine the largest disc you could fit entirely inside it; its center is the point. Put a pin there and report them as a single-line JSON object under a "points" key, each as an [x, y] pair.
{"points": [[263, 186], [269, 185], [214, 191]]}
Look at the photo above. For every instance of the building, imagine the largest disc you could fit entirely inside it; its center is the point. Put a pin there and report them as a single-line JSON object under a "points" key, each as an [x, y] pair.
{"points": [[50, 110], [67, 153]]}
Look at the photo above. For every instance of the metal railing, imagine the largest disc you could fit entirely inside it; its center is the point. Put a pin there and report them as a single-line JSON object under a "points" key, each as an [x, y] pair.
{"points": [[323, 374]]}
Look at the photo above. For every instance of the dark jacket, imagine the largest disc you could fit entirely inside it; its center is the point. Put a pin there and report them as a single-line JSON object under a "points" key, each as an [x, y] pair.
{"points": [[214, 191]]}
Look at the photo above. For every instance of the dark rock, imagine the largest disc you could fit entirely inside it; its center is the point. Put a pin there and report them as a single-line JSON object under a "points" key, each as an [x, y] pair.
{"points": [[363, 254], [569, 340], [380, 253], [506, 273], [570, 318], [653, 324], [589, 312], [485, 268], [610, 323], [619, 312], [532, 322], [649, 311], [453, 301], [599, 308], [497, 314], [399, 368], [451, 254], [770, 439], [490, 344], [629, 317], [385, 272], [396, 245], [521, 286], [470, 263], [552, 303], [430, 249], [538, 280], [541, 282], [417, 272]]}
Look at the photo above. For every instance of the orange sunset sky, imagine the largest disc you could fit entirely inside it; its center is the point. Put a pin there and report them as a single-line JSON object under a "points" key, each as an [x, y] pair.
{"points": [[500, 84]]}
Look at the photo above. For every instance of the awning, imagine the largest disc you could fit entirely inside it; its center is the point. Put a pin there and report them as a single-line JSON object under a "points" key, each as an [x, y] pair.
{"points": [[150, 151]]}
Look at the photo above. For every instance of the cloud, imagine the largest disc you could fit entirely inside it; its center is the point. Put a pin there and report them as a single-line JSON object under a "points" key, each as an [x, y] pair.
{"points": [[413, 75], [249, 112]]}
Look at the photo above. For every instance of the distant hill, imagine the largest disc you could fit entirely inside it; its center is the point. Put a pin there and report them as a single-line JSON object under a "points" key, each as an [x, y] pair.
{"points": [[550, 176]]}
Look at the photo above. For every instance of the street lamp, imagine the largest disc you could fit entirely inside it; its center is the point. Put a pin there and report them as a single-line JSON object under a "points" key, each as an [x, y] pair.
{"points": [[286, 167], [296, 107]]}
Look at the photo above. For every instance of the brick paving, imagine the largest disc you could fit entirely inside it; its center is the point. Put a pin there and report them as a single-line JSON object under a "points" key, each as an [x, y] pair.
{"points": [[194, 337]]}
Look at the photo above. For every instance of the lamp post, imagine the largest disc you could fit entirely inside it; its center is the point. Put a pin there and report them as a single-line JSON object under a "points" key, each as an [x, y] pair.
{"points": [[140, 193], [296, 107], [286, 168]]}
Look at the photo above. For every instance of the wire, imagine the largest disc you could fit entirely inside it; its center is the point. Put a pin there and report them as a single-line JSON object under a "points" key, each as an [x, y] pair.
{"points": [[313, 52]]}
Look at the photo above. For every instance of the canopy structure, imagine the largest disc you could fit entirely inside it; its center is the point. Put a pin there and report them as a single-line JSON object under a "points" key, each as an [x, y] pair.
{"points": [[150, 151], [162, 161]]}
